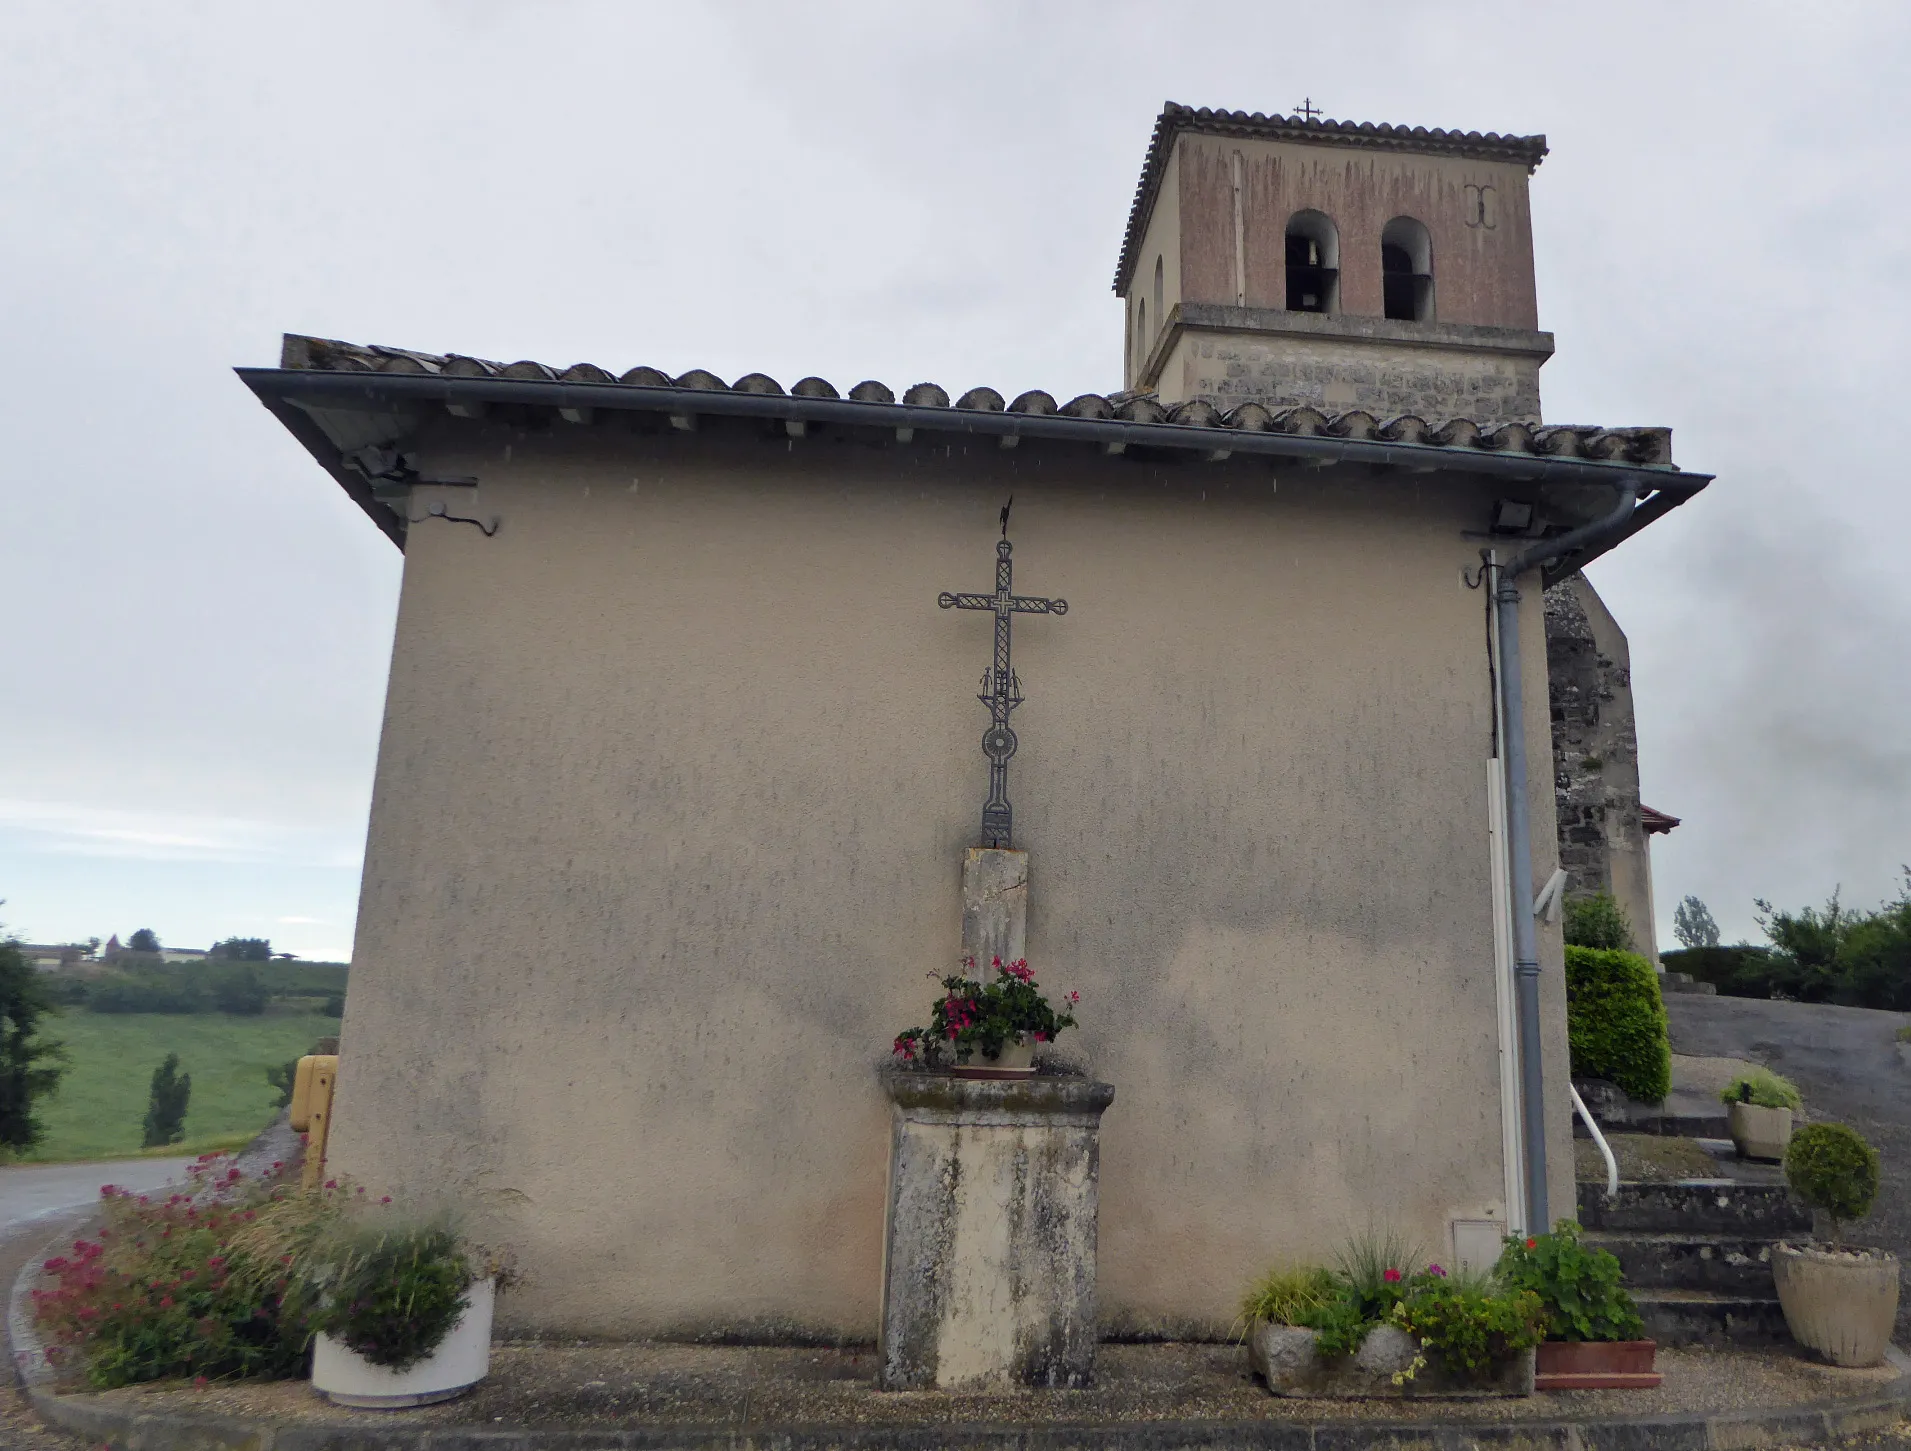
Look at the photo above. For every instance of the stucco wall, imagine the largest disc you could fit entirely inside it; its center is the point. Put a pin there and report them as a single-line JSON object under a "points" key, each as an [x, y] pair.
{"points": [[676, 776]]}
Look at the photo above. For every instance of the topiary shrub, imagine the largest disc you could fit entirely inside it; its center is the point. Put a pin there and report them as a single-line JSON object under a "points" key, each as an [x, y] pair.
{"points": [[1615, 1022], [1832, 1168]]}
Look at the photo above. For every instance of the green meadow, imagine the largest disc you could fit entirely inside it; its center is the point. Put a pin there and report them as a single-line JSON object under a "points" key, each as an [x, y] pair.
{"points": [[101, 1103]]}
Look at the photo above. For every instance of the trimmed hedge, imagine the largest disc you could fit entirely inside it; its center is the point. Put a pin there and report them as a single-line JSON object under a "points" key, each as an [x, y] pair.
{"points": [[1615, 1021]]}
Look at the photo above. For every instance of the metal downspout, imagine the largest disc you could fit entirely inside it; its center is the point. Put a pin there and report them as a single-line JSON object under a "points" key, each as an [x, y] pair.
{"points": [[1519, 835]]}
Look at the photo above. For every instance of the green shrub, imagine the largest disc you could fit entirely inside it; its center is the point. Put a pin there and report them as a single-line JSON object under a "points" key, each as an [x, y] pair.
{"points": [[1616, 1022], [1741, 971], [1469, 1329], [1832, 1168], [1904, 1033], [1577, 1287], [1597, 921], [388, 1289], [1762, 1088], [160, 1293]]}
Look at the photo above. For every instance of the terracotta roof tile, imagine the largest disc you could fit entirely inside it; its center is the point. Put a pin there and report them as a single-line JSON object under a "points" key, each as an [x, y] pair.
{"points": [[1645, 446]]}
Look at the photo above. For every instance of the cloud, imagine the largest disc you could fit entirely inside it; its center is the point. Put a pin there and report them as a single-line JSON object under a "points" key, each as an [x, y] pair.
{"points": [[78, 829]]}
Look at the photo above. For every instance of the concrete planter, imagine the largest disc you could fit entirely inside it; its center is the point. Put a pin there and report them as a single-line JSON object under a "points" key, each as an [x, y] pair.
{"points": [[1838, 1302], [1017, 1060], [460, 1362], [1759, 1133], [1595, 1365], [1288, 1358]]}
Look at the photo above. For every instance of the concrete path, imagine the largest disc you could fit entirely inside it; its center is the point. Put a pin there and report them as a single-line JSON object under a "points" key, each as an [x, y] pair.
{"points": [[1846, 1063], [31, 1192]]}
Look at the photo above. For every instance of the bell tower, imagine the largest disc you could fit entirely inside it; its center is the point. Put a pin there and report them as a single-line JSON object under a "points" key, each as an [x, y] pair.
{"points": [[1290, 260]]}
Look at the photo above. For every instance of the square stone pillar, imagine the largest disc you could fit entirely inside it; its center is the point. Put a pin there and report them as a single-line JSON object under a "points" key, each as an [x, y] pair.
{"points": [[994, 906], [989, 1255]]}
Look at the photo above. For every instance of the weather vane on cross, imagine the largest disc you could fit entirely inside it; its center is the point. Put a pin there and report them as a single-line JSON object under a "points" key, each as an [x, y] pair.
{"points": [[1307, 110]]}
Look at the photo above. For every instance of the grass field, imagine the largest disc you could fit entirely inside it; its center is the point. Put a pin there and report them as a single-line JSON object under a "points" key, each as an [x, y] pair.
{"points": [[101, 1103]]}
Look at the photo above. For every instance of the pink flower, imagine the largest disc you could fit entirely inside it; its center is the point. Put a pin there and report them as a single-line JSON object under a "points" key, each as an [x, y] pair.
{"points": [[1074, 997], [1392, 1277], [1041, 1037], [1436, 1270]]}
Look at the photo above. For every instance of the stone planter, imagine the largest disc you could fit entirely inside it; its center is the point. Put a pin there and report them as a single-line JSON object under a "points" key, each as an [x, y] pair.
{"points": [[1289, 1360], [1595, 1365], [460, 1362], [1759, 1133], [1838, 1302], [1017, 1060]]}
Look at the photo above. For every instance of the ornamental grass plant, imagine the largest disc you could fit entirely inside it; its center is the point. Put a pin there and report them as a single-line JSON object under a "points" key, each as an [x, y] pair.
{"points": [[1763, 1088]]}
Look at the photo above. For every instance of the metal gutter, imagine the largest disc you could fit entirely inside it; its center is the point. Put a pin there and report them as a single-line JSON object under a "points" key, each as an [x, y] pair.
{"points": [[339, 389], [1519, 830]]}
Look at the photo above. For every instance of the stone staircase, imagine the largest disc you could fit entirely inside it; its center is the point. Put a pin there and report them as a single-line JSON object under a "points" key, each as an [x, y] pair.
{"points": [[1697, 1255]]}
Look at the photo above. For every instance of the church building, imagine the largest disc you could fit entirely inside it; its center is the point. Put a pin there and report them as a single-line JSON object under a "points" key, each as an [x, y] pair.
{"points": [[681, 757]]}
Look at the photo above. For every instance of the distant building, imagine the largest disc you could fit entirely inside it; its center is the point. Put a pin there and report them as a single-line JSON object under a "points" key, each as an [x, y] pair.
{"points": [[51, 957]]}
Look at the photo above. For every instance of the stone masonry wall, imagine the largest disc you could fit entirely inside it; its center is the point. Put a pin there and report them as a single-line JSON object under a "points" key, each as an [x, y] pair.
{"points": [[1602, 844], [1334, 374]]}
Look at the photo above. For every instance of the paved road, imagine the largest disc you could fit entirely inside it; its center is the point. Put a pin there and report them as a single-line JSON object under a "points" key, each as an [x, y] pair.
{"points": [[1846, 1063], [29, 1192]]}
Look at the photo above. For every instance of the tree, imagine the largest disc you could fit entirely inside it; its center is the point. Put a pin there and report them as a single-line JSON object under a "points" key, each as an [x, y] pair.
{"points": [[144, 940], [1692, 924], [243, 949], [1599, 922], [166, 1105], [240, 991], [29, 1064]]}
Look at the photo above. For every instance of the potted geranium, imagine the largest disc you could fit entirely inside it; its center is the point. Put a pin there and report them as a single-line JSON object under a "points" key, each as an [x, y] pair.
{"points": [[987, 1030], [1594, 1336], [1839, 1300], [1759, 1109]]}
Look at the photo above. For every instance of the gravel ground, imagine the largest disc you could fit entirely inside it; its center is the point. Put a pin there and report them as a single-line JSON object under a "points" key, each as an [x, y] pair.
{"points": [[582, 1386], [1644, 1158], [1845, 1062]]}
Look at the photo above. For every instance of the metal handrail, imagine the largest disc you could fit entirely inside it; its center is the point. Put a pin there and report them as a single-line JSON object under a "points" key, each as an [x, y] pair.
{"points": [[1612, 1164]]}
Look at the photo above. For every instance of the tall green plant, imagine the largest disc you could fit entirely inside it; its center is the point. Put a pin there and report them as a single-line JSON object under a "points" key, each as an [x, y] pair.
{"points": [[166, 1104], [1598, 921], [29, 1064], [1616, 1022], [1578, 1287]]}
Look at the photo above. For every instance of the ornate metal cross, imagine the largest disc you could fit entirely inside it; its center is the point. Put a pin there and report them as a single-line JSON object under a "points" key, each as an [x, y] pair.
{"points": [[1001, 689], [1307, 110]]}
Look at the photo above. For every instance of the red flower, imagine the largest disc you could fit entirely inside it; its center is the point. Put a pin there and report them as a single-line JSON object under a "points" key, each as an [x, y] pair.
{"points": [[1532, 1244], [1392, 1277], [165, 1302]]}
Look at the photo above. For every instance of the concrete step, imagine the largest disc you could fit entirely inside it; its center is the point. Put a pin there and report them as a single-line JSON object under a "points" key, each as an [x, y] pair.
{"points": [[1731, 1265], [1702, 1317], [1697, 1207]]}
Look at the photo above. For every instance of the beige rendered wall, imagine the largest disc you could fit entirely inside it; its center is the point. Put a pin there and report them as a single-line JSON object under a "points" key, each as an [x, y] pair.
{"points": [[1161, 239], [675, 780]]}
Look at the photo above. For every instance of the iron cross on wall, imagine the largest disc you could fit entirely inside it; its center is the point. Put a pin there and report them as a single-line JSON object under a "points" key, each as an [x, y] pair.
{"points": [[1001, 689]]}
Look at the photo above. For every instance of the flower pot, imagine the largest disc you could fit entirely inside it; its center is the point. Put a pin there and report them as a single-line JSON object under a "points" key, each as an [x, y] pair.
{"points": [[459, 1363], [1017, 1060], [1595, 1365], [1838, 1302], [1759, 1133]]}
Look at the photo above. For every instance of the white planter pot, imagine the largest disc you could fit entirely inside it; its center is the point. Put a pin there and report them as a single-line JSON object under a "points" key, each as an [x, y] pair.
{"points": [[1759, 1133], [1016, 1060], [459, 1363], [1840, 1303]]}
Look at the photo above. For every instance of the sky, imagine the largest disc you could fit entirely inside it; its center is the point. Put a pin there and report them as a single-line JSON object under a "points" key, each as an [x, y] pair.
{"points": [[199, 623]]}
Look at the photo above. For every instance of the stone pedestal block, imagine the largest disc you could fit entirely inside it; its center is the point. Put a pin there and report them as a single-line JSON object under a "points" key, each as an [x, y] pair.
{"points": [[994, 906], [989, 1256]]}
